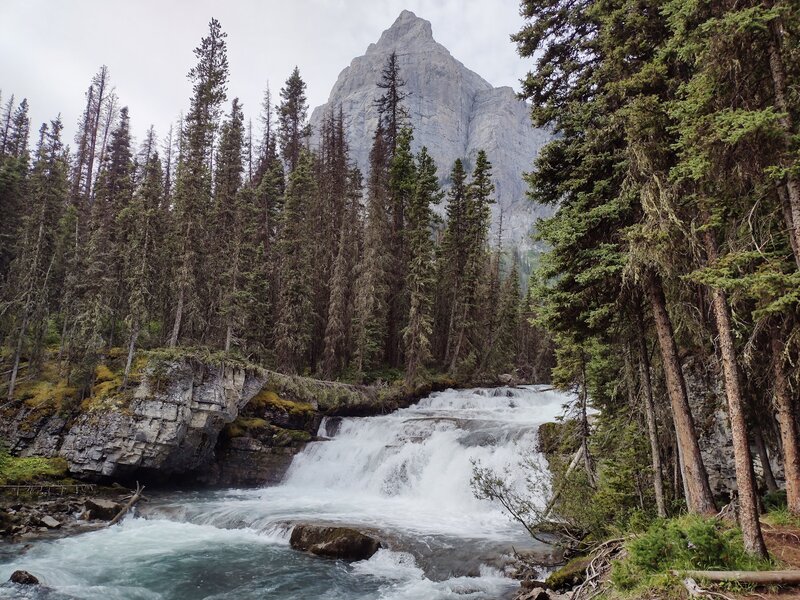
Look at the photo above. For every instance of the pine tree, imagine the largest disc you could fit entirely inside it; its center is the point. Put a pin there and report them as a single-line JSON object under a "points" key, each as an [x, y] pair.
{"points": [[193, 197], [141, 220], [419, 281], [99, 294], [401, 186], [372, 300], [452, 260], [14, 164], [342, 297], [226, 230], [30, 284], [467, 335], [293, 130], [295, 316], [391, 111]]}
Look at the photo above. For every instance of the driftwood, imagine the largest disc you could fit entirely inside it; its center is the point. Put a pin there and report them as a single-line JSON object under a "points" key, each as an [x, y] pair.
{"points": [[759, 577], [599, 566], [695, 591], [134, 499]]}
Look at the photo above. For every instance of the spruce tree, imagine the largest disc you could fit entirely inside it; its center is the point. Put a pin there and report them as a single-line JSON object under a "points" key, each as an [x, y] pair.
{"points": [[293, 130], [372, 287], [193, 193], [295, 245], [419, 281], [30, 286]]}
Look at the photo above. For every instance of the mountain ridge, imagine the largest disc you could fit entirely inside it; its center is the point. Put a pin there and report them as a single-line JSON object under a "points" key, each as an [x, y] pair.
{"points": [[454, 112]]}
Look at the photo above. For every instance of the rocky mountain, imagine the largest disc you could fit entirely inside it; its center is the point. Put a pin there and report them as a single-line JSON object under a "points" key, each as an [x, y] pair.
{"points": [[454, 112]]}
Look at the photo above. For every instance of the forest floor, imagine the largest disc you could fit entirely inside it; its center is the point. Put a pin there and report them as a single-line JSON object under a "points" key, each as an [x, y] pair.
{"points": [[783, 543]]}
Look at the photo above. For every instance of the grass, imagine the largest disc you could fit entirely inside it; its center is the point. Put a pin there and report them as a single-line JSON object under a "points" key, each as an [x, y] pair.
{"points": [[16, 470]]}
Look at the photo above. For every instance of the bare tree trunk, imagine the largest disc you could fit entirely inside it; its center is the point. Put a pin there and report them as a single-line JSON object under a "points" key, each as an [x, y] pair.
{"points": [[17, 353], [587, 457], [176, 327], [650, 415], [787, 423], [781, 103], [743, 460], [787, 215], [131, 351], [763, 458], [699, 498]]}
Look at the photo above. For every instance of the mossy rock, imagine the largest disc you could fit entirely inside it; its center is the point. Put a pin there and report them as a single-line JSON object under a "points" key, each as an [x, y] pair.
{"points": [[245, 426], [570, 575], [267, 399], [16, 470]]}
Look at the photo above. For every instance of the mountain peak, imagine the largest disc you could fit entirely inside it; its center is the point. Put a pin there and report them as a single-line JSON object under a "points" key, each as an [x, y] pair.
{"points": [[407, 30]]}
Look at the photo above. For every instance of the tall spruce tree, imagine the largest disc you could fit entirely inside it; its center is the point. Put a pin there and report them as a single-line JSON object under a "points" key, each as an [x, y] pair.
{"points": [[293, 130], [295, 316], [419, 281], [193, 193]]}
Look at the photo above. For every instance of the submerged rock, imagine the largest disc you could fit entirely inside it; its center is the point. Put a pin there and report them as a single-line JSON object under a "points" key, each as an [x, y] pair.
{"points": [[334, 542], [23, 578]]}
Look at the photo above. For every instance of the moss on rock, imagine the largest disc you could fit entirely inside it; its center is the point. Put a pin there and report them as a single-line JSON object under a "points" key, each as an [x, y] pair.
{"points": [[571, 574]]}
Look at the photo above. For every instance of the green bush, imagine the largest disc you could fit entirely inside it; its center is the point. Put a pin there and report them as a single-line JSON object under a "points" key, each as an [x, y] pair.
{"points": [[688, 542]]}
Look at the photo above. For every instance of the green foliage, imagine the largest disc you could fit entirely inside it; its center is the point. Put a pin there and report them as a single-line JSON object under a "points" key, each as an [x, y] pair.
{"points": [[16, 470], [688, 542]]}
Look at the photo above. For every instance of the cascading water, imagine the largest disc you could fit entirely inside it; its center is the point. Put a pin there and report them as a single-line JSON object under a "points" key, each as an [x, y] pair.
{"points": [[405, 475]]}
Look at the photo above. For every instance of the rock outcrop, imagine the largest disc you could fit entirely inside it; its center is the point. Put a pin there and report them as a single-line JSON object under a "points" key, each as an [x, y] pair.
{"points": [[454, 112], [171, 425], [216, 422], [334, 542]]}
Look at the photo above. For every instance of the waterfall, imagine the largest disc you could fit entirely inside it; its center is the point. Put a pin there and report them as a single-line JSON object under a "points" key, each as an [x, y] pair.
{"points": [[404, 476]]}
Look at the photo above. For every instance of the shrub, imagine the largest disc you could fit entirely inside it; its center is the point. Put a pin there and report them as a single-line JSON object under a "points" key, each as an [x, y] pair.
{"points": [[688, 542]]}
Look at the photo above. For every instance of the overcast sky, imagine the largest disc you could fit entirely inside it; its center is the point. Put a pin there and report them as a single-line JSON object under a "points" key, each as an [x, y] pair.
{"points": [[49, 49]]}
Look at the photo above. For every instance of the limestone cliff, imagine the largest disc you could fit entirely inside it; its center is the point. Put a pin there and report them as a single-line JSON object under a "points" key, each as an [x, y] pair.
{"points": [[454, 112]]}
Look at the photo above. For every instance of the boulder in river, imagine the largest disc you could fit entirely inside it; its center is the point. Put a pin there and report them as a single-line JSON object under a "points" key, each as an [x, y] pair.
{"points": [[334, 542], [23, 578], [102, 508]]}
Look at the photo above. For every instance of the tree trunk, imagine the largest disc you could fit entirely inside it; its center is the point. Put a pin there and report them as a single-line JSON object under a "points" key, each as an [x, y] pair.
{"points": [[652, 427], [699, 498], [783, 195], [763, 458], [787, 423], [176, 327], [131, 351], [17, 353], [745, 478], [778, 72], [588, 463]]}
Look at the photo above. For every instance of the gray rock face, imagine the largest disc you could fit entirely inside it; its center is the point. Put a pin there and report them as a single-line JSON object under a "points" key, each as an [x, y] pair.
{"points": [[454, 112], [169, 430]]}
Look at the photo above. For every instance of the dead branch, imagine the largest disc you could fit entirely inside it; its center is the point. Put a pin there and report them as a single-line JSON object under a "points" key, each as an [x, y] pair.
{"points": [[134, 499], [759, 577]]}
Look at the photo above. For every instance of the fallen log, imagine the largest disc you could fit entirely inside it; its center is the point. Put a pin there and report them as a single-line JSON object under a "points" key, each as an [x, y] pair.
{"points": [[759, 577], [134, 499]]}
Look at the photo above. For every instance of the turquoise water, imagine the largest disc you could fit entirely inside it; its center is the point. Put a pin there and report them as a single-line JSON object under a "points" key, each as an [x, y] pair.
{"points": [[404, 476]]}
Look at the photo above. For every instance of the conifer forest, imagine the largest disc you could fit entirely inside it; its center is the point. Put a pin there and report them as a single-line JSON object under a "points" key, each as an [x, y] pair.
{"points": [[297, 345]]}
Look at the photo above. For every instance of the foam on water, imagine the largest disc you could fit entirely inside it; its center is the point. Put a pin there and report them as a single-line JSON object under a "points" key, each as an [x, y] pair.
{"points": [[406, 475]]}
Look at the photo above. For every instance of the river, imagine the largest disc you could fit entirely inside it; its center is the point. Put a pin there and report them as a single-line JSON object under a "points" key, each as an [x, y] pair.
{"points": [[405, 475]]}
